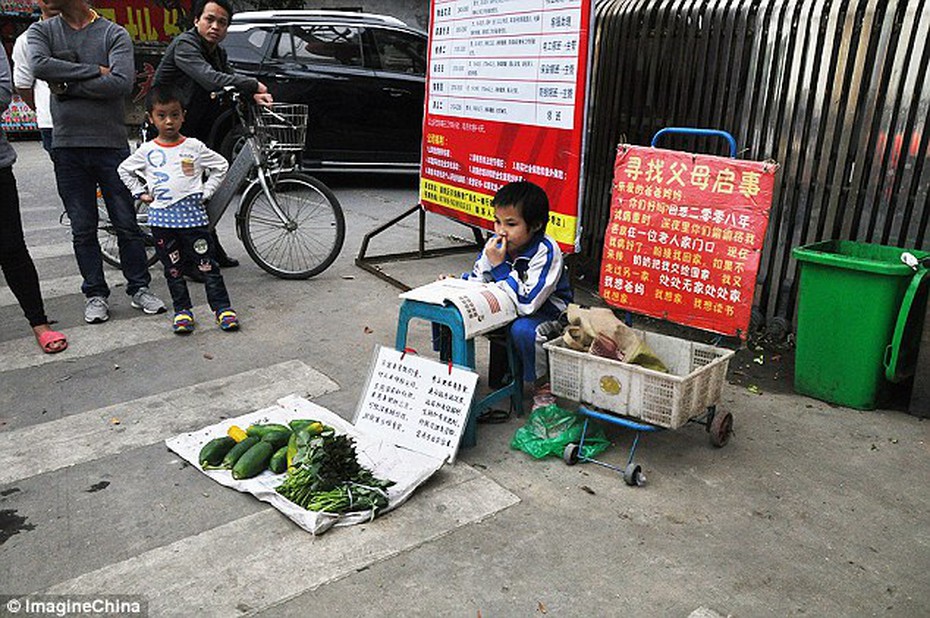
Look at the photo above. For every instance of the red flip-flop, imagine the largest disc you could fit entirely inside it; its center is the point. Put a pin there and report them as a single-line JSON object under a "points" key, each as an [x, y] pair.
{"points": [[51, 337]]}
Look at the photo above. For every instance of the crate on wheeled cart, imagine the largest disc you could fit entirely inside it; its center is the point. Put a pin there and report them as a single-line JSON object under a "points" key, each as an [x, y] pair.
{"points": [[669, 400], [617, 392]]}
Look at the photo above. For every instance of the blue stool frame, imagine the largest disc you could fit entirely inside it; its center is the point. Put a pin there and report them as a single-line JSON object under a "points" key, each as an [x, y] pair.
{"points": [[463, 354]]}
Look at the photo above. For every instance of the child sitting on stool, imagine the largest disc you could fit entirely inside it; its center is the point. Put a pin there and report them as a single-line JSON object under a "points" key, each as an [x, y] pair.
{"points": [[527, 264], [167, 173]]}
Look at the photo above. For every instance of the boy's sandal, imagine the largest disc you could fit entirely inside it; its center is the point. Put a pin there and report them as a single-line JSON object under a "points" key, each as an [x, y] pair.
{"points": [[493, 417], [183, 322], [52, 342], [228, 320]]}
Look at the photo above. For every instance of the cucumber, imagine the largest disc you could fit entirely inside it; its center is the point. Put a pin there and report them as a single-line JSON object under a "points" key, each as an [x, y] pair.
{"points": [[277, 439], [238, 451], [299, 423], [313, 427], [212, 453], [254, 461], [261, 430], [278, 463], [291, 448]]}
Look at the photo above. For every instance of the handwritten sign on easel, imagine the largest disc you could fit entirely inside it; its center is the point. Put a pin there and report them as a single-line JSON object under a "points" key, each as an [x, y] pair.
{"points": [[417, 403]]}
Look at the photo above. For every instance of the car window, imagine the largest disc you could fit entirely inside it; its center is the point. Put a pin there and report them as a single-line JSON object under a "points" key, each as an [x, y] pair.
{"points": [[400, 52], [337, 45], [247, 45], [284, 50]]}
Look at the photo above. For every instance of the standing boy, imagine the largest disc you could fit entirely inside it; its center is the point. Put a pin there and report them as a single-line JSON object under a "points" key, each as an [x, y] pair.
{"points": [[167, 173], [87, 62]]}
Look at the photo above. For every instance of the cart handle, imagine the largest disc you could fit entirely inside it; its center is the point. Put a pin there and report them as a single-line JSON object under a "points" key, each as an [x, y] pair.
{"points": [[701, 132]]}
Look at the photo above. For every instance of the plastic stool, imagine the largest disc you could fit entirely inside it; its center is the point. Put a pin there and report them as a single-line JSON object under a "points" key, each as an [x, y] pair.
{"points": [[463, 354]]}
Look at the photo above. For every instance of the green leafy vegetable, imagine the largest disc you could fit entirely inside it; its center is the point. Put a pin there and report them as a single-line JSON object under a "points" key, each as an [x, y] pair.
{"points": [[325, 476]]}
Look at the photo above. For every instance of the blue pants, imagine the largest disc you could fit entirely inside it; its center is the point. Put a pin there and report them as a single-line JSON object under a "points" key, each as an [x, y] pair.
{"points": [[79, 171], [176, 247], [528, 342]]}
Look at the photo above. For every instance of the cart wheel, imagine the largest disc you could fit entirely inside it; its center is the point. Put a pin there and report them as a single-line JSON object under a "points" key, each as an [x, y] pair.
{"points": [[633, 475], [721, 428], [570, 454]]}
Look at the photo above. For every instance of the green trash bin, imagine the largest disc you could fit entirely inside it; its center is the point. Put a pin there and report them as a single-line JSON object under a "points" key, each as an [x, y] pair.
{"points": [[860, 314]]}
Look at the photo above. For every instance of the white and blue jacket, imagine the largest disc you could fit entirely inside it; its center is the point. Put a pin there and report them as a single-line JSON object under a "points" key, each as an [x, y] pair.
{"points": [[536, 280]]}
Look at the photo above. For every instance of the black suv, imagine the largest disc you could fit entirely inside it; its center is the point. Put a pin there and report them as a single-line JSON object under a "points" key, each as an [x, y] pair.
{"points": [[361, 75]]}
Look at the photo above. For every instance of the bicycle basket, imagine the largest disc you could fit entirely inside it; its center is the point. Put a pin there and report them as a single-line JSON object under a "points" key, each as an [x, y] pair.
{"points": [[282, 127]]}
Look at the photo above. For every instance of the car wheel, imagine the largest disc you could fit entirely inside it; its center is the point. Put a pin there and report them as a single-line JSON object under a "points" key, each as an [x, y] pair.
{"points": [[232, 143]]}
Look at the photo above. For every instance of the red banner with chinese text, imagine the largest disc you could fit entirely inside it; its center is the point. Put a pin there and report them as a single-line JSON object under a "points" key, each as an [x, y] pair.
{"points": [[147, 21], [685, 236]]}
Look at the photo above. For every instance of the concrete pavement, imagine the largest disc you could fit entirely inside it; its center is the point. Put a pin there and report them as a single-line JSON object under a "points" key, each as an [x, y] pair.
{"points": [[811, 509]]}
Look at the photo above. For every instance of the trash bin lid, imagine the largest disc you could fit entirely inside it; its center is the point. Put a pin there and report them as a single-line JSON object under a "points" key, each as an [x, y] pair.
{"points": [[901, 355]]}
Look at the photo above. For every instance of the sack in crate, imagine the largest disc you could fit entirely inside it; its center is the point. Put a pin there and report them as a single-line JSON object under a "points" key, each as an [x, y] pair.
{"points": [[599, 332]]}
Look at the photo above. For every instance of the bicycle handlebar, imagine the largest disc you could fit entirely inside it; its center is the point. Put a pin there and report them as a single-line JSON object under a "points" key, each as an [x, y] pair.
{"points": [[226, 91]]}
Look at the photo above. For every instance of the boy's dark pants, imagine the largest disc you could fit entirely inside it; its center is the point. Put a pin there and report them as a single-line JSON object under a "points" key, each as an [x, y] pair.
{"points": [[193, 245]]}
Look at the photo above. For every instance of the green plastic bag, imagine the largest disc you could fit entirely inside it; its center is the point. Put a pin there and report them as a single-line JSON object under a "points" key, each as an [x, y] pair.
{"points": [[550, 429]]}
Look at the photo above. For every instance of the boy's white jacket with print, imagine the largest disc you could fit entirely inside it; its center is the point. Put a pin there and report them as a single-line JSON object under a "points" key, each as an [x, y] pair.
{"points": [[171, 172], [532, 279]]}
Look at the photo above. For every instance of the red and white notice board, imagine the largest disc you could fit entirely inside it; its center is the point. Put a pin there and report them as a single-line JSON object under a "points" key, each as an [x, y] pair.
{"points": [[505, 101], [685, 236]]}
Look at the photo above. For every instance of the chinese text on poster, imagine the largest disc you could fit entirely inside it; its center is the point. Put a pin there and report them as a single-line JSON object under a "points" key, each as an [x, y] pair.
{"points": [[685, 235]]}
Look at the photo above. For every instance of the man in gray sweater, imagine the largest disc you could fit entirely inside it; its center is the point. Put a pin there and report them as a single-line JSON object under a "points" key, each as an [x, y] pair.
{"points": [[88, 64]]}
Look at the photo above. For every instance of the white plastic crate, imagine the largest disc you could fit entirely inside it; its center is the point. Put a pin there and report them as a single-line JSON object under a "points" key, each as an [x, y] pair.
{"points": [[697, 372]]}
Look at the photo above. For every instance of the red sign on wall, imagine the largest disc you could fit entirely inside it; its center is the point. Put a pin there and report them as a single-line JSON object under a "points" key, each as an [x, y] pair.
{"points": [[505, 101], [685, 236], [147, 21]]}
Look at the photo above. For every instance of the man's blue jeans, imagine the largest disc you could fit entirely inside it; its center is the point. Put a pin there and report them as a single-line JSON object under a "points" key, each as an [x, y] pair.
{"points": [[79, 171]]}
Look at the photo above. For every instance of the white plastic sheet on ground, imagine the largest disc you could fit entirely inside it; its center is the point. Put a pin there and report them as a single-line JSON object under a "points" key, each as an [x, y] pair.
{"points": [[406, 468]]}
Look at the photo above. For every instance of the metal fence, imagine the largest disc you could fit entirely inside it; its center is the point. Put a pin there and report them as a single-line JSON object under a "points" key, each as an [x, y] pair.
{"points": [[836, 91]]}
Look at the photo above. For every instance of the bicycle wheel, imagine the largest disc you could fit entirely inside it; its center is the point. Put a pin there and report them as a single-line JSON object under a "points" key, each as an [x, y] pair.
{"points": [[308, 242], [106, 234]]}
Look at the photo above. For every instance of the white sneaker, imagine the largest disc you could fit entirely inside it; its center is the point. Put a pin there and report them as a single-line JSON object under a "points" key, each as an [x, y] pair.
{"points": [[96, 310], [148, 302]]}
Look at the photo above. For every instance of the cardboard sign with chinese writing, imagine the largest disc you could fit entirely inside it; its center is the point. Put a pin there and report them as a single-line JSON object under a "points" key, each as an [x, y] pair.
{"points": [[417, 403], [685, 236], [505, 101]]}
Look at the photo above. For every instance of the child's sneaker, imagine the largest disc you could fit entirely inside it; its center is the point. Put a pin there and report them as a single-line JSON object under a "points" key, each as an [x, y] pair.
{"points": [[183, 322], [227, 319], [542, 396]]}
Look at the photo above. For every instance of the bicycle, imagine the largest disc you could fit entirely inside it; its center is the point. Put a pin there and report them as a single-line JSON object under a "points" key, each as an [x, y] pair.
{"points": [[290, 223], [106, 233]]}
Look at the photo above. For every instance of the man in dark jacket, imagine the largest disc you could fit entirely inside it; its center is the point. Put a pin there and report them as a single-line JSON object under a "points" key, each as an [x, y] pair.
{"points": [[195, 65]]}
